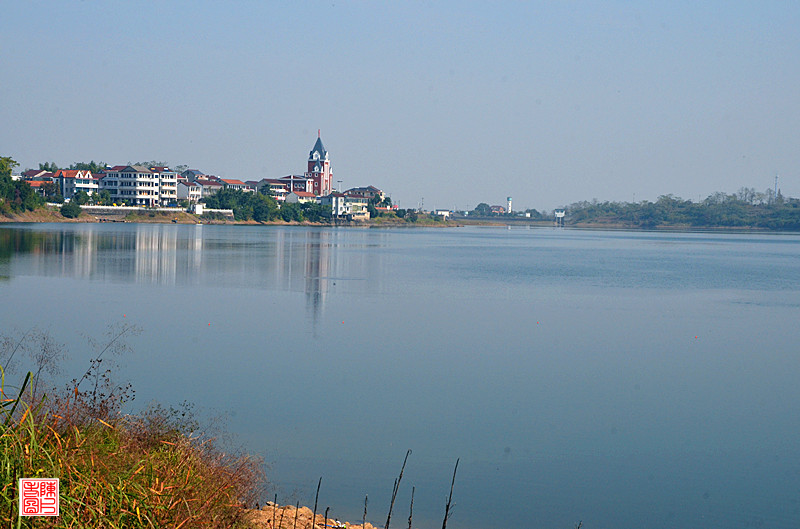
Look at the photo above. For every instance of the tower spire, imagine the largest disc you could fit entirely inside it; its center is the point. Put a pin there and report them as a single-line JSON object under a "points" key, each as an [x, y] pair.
{"points": [[319, 133]]}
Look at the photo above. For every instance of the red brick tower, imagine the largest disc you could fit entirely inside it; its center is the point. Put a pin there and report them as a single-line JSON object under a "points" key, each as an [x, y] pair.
{"points": [[319, 169]]}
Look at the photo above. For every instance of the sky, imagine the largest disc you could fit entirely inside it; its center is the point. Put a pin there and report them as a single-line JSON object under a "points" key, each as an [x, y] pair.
{"points": [[440, 104]]}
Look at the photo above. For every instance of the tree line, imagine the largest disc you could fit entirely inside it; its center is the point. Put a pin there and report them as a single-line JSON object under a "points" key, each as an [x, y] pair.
{"points": [[264, 208], [743, 209], [15, 195]]}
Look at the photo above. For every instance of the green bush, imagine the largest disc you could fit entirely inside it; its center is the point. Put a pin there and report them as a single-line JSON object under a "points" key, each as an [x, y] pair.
{"points": [[71, 210]]}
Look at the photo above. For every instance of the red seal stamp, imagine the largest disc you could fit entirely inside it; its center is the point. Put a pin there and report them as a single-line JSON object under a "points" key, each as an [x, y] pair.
{"points": [[38, 496]]}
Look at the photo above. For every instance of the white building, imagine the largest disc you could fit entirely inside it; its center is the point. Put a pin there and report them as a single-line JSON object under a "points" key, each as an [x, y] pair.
{"points": [[134, 184], [71, 181], [167, 185], [189, 191], [300, 197]]}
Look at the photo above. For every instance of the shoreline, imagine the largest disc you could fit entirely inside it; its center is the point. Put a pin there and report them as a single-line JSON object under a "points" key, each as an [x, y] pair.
{"points": [[52, 215]]}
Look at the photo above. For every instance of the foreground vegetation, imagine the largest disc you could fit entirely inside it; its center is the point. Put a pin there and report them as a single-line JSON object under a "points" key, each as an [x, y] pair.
{"points": [[149, 470]]}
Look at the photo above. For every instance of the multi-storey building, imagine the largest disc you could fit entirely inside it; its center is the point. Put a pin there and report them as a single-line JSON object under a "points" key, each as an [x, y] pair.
{"points": [[209, 185], [232, 183], [134, 184], [167, 185], [298, 183], [189, 191], [319, 169], [368, 192], [71, 181]]}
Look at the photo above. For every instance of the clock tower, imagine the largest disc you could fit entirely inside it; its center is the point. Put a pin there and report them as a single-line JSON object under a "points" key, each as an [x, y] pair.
{"points": [[319, 169]]}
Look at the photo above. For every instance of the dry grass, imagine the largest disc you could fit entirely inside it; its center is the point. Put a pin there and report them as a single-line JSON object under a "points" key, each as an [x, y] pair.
{"points": [[118, 471]]}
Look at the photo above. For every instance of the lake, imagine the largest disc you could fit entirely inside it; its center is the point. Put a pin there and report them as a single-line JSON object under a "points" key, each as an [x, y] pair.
{"points": [[622, 379]]}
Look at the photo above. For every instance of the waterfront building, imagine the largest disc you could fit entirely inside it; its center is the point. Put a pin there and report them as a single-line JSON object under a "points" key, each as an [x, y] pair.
{"points": [[71, 181], [300, 197], [36, 174], [167, 185], [298, 183], [230, 183], [189, 191], [209, 185], [135, 184], [368, 192]]}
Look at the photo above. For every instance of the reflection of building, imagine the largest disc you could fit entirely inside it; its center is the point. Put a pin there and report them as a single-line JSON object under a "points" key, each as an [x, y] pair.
{"points": [[302, 260]]}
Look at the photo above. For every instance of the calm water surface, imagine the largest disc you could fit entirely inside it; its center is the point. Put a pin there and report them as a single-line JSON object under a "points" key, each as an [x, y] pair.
{"points": [[625, 379]]}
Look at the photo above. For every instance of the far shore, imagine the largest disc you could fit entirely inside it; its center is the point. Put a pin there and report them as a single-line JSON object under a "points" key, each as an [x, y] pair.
{"points": [[52, 215]]}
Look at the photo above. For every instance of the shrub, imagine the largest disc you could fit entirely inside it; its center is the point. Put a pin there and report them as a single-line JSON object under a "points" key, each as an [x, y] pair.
{"points": [[71, 210]]}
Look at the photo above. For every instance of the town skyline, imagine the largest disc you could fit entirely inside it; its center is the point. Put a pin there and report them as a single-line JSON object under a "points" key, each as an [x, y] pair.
{"points": [[455, 104]]}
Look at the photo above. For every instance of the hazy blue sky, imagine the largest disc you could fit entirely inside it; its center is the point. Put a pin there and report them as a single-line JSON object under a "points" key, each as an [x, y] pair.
{"points": [[456, 102]]}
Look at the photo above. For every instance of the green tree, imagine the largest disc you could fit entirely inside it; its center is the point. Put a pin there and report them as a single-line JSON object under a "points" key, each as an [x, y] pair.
{"points": [[483, 209], [104, 198], [7, 164], [48, 166], [71, 210], [81, 198], [245, 206], [92, 166], [16, 195], [291, 212], [314, 212]]}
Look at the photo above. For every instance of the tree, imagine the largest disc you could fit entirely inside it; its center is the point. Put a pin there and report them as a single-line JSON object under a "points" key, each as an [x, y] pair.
{"points": [[483, 209], [152, 163], [264, 208], [314, 212], [71, 210], [48, 166], [291, 212], [245, 206], [104, 198], [81, 197], [7, 164], [93, 167]]}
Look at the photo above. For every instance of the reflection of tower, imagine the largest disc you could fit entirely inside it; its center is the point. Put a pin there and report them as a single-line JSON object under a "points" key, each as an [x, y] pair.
{"points": [[319, 169], [317, 272]]}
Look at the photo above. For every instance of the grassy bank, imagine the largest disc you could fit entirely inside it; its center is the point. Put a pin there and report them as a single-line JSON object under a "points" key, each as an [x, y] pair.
{"points": [[115, 470]]}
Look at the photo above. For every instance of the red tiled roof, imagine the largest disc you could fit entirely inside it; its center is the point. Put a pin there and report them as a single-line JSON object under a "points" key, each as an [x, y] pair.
{"points": [[305, 194], [71, 173], [37, 183], [210, 183], [232, 181]]}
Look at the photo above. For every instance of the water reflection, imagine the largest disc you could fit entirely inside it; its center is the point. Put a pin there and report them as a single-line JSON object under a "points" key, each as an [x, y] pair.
{"points": [[297, 260]]}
